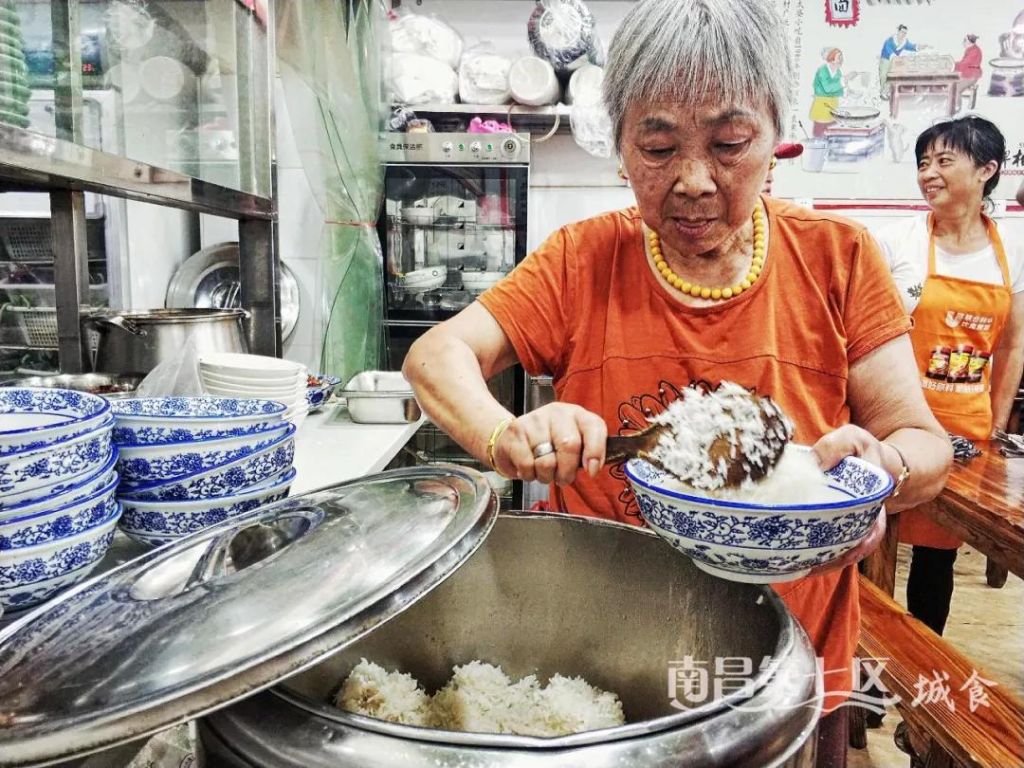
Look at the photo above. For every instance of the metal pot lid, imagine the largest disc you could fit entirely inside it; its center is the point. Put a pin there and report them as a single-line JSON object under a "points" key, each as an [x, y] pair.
{"points": [[210, 278], [189, 628]]}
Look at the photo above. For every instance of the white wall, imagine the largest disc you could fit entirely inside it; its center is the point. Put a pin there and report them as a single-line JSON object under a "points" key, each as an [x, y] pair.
{"points": [[299, 232]]}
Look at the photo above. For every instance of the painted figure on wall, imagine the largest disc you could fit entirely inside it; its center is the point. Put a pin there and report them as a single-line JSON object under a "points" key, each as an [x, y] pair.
{"points": [[1011, 44], [895, 45], [828, 87], [969, 66], [1007, 73], [969, 69]]}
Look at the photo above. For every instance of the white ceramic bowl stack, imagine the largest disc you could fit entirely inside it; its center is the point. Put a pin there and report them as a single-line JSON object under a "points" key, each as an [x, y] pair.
{"points": [[257, 376], [57, 484], [190, 462]]}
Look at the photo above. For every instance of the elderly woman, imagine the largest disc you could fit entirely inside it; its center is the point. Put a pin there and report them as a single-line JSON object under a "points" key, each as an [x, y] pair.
{"points": [[705, 280]]}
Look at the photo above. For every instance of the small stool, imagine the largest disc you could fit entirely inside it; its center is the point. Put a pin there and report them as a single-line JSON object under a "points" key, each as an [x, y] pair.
{"points": [[969, 88]]}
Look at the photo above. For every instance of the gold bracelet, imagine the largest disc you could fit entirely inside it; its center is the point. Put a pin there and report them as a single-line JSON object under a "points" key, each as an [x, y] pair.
{"points": [[904, 473], [499, 430]]}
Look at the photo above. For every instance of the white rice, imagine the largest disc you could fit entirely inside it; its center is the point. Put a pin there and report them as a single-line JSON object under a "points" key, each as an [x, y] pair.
{"points": [[373, 691], [753, 427], [481, 698], [796, 479]]}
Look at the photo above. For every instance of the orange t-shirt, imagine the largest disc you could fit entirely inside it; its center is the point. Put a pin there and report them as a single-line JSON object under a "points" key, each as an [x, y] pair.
{"points": [[586, 309]]}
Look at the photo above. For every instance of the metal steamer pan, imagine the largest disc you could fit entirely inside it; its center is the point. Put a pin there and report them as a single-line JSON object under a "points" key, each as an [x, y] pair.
{"points": [[553, 594], [412, 569]]}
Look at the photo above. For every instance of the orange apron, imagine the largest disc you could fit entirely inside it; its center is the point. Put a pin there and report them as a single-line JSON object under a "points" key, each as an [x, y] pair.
{"points": [[956, 325]]}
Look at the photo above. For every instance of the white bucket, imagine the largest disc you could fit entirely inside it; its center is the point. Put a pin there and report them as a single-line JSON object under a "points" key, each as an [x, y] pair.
{"points": [[815, 151]]}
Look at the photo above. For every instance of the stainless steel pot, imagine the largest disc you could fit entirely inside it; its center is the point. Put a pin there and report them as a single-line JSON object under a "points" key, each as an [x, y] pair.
{"points": [[136, 342], [549, 594]]}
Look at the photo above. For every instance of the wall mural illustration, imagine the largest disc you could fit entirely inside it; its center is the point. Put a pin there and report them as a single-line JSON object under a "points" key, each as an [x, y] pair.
{"points": [[871, 76]]}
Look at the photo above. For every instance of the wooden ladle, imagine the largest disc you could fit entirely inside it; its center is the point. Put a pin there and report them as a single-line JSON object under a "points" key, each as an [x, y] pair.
{"points": [[711, 439]]}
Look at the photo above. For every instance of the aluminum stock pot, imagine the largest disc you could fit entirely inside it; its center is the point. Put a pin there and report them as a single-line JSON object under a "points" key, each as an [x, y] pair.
{"points": [[251, 626], [136, 342]]}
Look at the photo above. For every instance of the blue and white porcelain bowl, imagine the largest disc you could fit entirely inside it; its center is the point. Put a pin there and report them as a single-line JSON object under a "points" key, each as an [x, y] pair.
{"points": [[149, 420], [320, 393], [33, 418], [78, 457], [63, 492], [225, 480], [166, 461], [59, 521], [30, 575], [155, 522], [763, 544]]}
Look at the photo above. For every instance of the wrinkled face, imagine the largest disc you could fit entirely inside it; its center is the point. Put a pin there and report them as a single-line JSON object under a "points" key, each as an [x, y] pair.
{"points": [[948, 178], [696, 170]]}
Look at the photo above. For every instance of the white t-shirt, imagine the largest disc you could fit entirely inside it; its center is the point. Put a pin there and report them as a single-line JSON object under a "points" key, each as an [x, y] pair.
{"points": [[905, 245]]}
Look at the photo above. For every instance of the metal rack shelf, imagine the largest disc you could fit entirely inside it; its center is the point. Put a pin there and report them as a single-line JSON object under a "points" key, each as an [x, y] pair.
{"points": [[35, 162]]}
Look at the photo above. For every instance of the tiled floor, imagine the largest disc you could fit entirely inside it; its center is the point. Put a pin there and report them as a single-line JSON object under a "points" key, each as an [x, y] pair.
{"points": [[985, 624]]}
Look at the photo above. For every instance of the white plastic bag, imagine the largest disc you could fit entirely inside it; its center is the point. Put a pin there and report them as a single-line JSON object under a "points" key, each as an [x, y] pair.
{"points": [[419, 79], [562, 32], [427, 36], [176, 377], [592, 129], [483, 76]]}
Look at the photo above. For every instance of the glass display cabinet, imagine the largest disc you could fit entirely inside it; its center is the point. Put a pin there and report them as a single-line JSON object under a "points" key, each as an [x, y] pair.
{"points": [[182, 91]]}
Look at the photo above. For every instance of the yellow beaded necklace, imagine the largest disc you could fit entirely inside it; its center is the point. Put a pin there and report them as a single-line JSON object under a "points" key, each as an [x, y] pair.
{"points": [[718, 294]]}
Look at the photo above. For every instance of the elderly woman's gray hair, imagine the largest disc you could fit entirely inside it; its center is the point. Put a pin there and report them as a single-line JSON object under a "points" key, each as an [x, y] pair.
{"points": [[686, 50]]}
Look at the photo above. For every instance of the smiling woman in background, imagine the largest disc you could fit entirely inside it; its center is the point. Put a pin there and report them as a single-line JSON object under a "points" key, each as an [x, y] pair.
{"points": [[963, 283], [704, 280]]}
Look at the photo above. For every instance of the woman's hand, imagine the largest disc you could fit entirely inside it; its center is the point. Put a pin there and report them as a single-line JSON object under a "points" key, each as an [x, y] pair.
{"points": [[576, 435], [851, 440]]}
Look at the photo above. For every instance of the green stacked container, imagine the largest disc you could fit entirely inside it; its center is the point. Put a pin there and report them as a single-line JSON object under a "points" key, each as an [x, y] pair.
{"points": [[14, 90]]}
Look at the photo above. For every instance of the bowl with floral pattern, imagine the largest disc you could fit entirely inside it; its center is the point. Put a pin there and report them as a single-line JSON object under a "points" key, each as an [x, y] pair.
{"points": [[57, 521], [157, 522], [319, 389], [225, 480], [27, 471], [60, 492], [149, 420], [30, 575], [166, 461], [34, 418], [763, 543]]}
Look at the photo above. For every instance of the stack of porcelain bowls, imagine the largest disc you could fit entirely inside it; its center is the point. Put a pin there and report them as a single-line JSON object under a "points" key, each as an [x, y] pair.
{"points": [[57, 482], [256, 376], [187, 463]]}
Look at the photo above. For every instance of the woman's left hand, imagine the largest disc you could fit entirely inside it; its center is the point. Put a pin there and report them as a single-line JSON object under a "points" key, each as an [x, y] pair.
{"points": [[851, 440]]}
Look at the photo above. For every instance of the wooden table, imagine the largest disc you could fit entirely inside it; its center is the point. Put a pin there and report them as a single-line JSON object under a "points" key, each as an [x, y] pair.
{"points": [[982, 503], [943, 85]]}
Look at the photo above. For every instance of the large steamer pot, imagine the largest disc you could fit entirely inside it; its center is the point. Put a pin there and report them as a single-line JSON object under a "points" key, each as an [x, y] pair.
{"points": [[136, 342], [547, 594]]}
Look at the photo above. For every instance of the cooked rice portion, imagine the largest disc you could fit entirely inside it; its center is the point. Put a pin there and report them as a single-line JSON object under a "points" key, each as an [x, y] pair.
{"points": [[481, 698], [572, 705], [373, 691]]}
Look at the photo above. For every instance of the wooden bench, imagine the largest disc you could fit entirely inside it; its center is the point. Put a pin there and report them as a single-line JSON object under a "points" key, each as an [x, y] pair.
{"points": [[992, 736]]}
